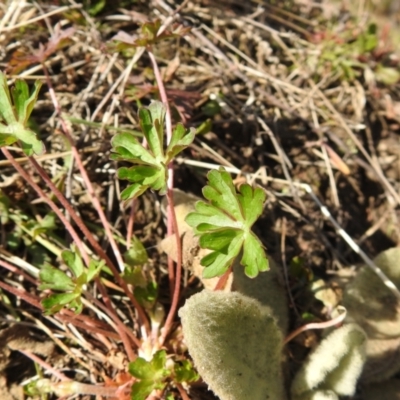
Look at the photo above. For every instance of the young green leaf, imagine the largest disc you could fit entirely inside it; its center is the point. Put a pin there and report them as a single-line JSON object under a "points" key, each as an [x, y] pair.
{"points": [[94, 269], [55, 279], [74, 262], [185, 372], [136, 254], [56, 302], [15, 110], [150, 170], [146, 296], [224, 226], [152, 375]]}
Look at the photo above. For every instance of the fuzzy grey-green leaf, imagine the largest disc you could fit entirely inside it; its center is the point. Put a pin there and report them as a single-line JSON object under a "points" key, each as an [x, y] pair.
{"points": [[235, 344]]}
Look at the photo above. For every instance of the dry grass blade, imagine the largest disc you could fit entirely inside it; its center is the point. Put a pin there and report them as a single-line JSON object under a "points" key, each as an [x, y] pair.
{"points": [[298, 98]]}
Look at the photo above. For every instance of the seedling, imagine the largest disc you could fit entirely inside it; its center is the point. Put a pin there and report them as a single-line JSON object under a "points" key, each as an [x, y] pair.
{"points": [[150, 170], [224, 226], [15, 110], [54, 279], [154, 374]]}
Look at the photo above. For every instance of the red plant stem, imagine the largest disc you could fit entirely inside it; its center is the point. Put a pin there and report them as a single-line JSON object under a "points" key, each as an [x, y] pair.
{"points": [[60, 197], [45, 365], [170, 183], [51, 203], [21, 294], [175, 298], [75, 320], [96, 203], [131, 221], [18, 271], [163, 94], [82, 170], [318, 325], [223, 279], [117, 320], [84, 230], [74, 235], [86, 327], [125, 331], [172, 226], [182, 391]]}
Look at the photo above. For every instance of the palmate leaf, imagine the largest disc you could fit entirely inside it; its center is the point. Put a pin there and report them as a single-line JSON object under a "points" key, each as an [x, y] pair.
{"points": [[150, 170], [224, 225]]}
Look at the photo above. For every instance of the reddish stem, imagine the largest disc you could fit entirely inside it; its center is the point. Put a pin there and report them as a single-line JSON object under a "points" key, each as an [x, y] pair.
{"points": [[71, 230], [124, 330], [223, 279], [51, 203], [95, 201], [131, 221], [45, 365], [32, 300], [175, 298], [318, 325], [172, 226], [18, 271], [182, 392], [170, 183]]}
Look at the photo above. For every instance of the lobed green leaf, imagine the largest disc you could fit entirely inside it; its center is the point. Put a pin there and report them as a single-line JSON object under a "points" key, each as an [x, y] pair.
{"points": [[224, 226], [6, 108], [211, 217], [152, 123], [222, 194], [254, 258], [54, 279], [73, 261], [181, 138], [251, 201], [150, 171], [128, 148], [15, 117], [219, 240], [185, 372]]}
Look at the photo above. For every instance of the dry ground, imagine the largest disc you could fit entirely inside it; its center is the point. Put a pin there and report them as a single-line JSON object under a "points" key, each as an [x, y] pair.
{"points": [[293, 95]]}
